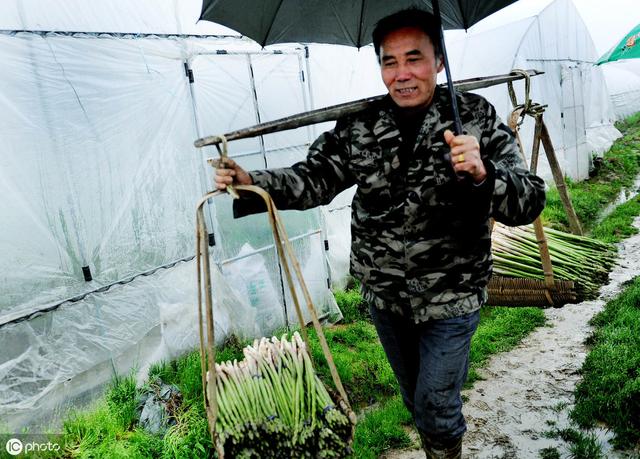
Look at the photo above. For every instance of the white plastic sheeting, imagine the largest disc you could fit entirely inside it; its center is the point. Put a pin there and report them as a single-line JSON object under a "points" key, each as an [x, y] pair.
{"points": [[553, 39], [623, 82], [117, 16], [89, 162], [99, 176], [340, 74], [62, 358]]}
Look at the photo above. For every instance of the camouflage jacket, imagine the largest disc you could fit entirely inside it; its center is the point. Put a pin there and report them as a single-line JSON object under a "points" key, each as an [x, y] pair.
{"points": [[421, 244]]}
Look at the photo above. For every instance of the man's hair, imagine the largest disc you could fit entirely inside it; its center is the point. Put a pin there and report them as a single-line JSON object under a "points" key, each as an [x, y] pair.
{"points": [[411, 17]]}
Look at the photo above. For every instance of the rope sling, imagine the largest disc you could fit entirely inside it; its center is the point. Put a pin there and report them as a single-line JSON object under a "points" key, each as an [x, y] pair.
{"points": [[205, 289], [506, 291]]}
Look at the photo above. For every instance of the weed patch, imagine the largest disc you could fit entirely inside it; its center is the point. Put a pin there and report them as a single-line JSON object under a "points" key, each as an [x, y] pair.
{"points": [[549, 453], [581, 445], [189, 438], [121, 400], [619, 224], [352, 305], [107, 430], [382, 429]]}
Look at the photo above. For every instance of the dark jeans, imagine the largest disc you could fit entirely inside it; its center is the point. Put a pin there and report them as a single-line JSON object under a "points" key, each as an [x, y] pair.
{"points": [[430, 361]]}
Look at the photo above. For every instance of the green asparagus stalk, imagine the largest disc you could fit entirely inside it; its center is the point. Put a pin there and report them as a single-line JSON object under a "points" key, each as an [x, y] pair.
{"points": [[580, 259], [272, 404]]}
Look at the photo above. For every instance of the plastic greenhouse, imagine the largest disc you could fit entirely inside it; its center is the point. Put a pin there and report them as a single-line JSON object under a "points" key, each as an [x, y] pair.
{"points": [[551, 37], [623, 82], [100, 177]]}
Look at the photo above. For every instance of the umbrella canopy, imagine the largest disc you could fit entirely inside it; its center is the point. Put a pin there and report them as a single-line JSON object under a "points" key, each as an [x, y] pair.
{"points": [[627, 48], [340, 22]]}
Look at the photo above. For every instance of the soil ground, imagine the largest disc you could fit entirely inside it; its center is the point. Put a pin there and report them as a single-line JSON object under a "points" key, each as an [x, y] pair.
{"points": [[529, 390]]}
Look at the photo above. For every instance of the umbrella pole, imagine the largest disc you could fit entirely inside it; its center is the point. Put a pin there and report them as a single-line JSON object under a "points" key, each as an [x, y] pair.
{"points": [[447, 70]]}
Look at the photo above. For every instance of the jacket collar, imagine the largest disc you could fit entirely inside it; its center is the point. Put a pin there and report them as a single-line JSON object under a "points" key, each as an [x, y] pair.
{"points": [[386, 129]]}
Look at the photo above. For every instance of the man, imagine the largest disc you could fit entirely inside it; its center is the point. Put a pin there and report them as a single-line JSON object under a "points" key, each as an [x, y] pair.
{"points": [[420, 235]]}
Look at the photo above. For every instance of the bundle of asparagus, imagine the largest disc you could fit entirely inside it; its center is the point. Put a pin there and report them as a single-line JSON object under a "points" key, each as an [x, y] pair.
{"points": [[272, 405], [580, 259]]}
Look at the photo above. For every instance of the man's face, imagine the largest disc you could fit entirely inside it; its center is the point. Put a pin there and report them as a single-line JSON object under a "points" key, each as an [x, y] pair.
{"points": [[409, 67]]}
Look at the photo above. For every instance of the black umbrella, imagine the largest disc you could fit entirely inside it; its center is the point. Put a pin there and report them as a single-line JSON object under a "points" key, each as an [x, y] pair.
{"points": [[340, 22]]}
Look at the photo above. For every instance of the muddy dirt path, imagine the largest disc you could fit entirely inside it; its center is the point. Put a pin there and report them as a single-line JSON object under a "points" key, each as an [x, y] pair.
{"points": [[529, 390]]}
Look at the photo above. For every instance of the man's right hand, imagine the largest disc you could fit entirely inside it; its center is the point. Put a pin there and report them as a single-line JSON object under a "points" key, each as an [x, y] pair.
{"points": [[229, 173]]}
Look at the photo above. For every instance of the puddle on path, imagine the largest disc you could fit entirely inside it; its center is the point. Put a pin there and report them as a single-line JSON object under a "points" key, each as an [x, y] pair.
{"points": [[529, 390], [624, 196]]}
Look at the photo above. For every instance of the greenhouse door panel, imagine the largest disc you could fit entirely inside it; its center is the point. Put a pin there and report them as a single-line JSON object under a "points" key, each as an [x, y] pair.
{"points": [[573, 119]]}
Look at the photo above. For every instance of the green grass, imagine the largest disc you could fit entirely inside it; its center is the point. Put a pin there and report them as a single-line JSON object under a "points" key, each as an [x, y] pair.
{"points": [[382, 429], [582, 445], [628, 125], [353, 307], [185, 372], [549, 453], [619, 224], [610, 388], [108, 429], [360, 361], [189, 438]]}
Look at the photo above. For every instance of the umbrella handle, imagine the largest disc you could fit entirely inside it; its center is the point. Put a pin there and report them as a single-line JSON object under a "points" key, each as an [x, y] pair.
{"points": [[460, 176], [454, 102], [443, 49]]}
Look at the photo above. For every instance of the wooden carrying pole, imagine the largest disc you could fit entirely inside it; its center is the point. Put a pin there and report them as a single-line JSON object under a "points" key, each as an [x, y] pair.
{"points": [[334, 112]]}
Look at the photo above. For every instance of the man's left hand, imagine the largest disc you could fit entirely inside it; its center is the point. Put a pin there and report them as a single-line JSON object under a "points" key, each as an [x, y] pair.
{"points": [[465, 155]]}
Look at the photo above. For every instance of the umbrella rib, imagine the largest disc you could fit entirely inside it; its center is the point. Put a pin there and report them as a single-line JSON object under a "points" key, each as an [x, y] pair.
{"points": [[273, 20], [359, 38], [464, 20]]}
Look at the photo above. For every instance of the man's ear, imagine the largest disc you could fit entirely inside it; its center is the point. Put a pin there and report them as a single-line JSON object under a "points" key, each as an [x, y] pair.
{"points": [[440, 63]]}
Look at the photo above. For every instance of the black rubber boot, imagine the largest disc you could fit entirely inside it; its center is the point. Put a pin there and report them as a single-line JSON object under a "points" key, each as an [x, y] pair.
{"points": [[436, 450]]}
